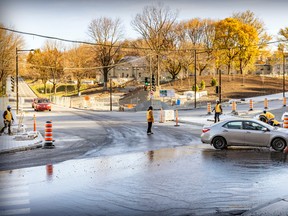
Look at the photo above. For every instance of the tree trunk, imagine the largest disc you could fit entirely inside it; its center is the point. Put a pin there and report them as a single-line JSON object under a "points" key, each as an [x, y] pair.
{"points": [[105, 74]]}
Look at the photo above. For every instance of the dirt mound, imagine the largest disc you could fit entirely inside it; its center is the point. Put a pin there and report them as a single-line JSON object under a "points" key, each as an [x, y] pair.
{"points": [[233, 86]]}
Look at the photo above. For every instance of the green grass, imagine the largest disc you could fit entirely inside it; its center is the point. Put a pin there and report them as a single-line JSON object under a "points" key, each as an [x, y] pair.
{"points": [[60, 91]]}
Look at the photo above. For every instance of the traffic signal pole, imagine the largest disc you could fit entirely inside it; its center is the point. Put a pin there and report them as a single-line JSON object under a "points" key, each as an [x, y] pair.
{"points": [[17, 81]]}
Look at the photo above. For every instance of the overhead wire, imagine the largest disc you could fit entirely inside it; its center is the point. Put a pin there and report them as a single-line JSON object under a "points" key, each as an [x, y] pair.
{"points": [[129, 47]]}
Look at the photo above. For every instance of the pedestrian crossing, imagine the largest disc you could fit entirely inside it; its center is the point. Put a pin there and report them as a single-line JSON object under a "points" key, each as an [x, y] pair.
{"points": [[14, 194]]}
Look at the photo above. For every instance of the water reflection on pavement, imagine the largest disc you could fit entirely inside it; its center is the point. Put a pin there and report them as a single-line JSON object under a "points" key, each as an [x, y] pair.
{"points": [[185, 180]]}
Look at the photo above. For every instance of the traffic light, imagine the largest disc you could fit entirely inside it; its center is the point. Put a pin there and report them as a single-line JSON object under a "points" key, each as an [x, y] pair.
{"points": [[146, 81], [153, 83], [217, 90], [12, 84]]}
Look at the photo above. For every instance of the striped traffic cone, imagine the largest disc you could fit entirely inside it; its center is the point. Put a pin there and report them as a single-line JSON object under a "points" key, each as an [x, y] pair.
{"points": [[48, 135]]}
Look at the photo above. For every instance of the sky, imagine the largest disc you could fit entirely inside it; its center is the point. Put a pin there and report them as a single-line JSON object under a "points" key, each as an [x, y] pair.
{"points": [[69, 19]]}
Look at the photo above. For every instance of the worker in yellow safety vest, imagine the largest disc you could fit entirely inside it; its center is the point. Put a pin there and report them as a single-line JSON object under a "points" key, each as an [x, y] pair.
{"points": [[218, 111], [271, 118], [150, 119], [8, 118]]}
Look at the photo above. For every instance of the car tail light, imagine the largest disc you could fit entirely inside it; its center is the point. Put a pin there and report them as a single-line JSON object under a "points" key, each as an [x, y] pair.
{"points": [[204, 130]]}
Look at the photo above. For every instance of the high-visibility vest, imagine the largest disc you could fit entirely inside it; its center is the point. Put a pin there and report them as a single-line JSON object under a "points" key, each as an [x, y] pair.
{"points": [[8, 116], [218, 108], [269, 115], [149, 115]]}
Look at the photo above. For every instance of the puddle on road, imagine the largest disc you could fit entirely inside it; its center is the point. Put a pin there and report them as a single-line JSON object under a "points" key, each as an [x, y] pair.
{"points": [[176, 180]]}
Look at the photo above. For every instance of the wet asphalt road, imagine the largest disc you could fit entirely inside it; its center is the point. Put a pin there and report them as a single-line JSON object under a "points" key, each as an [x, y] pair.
{"points": [[191, 180], [111, 167], [81, 134]]}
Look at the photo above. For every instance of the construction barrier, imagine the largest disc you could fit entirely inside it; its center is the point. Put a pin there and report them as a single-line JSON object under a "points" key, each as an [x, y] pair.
{"points": [[48, 135], [266, 103], [161, 116], [284, 101], [209, 108], [168, 115], [176, 118], [285, 121], [234, 107], [251, 105], [34, 123]]}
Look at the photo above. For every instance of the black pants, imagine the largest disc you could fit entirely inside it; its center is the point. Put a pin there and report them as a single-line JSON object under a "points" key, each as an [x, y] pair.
{"points": [[149, 127], [217, 117], [6, 124]]}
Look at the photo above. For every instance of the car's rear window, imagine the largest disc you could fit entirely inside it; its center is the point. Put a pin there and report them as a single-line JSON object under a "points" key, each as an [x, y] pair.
{"points": [[233, 125], [43, 101]]}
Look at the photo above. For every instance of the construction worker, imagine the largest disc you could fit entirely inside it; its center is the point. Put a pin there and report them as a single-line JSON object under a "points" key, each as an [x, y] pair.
{"points": [[8, 118], [269, 115], [270, 118], [150, 119], [218, 111]]}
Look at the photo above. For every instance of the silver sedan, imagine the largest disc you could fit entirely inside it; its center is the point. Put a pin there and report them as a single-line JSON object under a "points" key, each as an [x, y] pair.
{"points": [[243, 132]]}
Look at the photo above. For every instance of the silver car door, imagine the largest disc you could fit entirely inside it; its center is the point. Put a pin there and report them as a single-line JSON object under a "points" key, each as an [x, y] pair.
{"points": [[233, 133], [255, 134]]}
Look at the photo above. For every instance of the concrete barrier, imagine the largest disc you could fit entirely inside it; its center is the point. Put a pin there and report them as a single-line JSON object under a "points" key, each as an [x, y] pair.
{"points": [[168, 115]]}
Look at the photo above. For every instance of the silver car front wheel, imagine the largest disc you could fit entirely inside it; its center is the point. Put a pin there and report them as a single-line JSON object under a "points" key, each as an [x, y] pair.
{"points": [[219, 143], [278, 144]]}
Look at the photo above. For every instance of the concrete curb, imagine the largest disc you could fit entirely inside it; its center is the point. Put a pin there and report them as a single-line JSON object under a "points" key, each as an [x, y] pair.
{"points": [[24, 148]]}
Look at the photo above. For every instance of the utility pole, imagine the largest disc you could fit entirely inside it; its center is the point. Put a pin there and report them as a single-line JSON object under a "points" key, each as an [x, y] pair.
{"points": [[110, 94], [17, 76], [17, 90], [284, 74], [220, 86], [195, 78]]}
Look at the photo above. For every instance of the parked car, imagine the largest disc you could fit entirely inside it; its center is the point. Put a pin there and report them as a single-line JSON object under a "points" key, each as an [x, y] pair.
{"points": [[34, 102], [42, 105], [244, 132]]}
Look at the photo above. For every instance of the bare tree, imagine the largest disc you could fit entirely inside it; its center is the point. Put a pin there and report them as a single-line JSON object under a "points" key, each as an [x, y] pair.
{"points": [[154, 24], [106, 33], [201, 33]]}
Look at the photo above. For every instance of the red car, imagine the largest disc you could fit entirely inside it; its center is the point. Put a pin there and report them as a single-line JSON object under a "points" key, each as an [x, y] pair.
{"points": [[34, 102], [42, 104]]}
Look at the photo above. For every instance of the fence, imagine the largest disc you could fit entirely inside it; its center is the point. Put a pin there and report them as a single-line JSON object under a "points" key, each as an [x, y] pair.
{"points": [[86, 102]]}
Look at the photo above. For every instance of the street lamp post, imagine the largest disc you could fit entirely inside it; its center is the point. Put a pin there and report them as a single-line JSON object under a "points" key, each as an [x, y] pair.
{"points": [[17, 76]]}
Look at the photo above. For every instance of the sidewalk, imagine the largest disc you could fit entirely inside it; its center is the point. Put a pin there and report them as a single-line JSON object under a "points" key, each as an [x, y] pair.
{"points": [[20, 142]]}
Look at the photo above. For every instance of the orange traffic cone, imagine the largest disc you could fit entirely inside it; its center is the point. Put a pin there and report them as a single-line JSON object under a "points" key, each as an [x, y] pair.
{"points": [[34, 123], [176, 118], [48, 135]]}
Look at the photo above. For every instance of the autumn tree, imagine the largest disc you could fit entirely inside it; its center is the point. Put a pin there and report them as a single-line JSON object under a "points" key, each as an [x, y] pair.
{"points": [[78, 63], [49, 64], [248, 48], [283, 36], [106, 33], [53, 58], [172, 65], [236, 40], [8, 43], [248, 17], [38, 67], [154, 24]]}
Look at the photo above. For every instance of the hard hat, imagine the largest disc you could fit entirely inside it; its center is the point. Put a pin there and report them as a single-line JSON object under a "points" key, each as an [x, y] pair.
{"points": [[8, 107]]}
